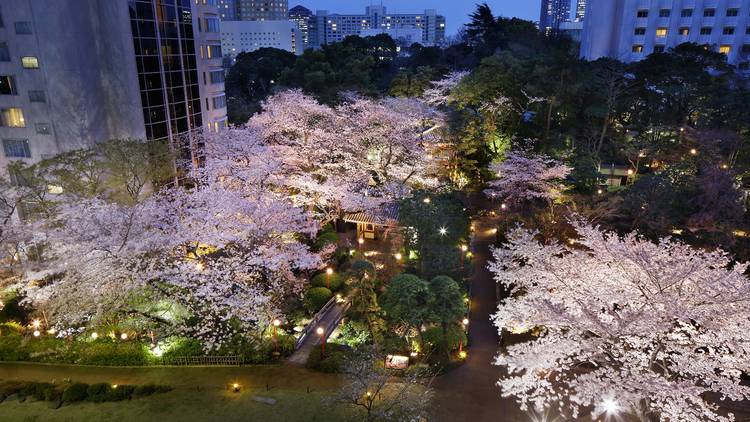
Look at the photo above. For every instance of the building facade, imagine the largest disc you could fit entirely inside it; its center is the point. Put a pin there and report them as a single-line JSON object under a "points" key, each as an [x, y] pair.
{"points": [[580, 10], [246, 36], [630, 30], [227, 10], [553, 13], [302, 17], [77, 72], [261, 10], [329, 28]]}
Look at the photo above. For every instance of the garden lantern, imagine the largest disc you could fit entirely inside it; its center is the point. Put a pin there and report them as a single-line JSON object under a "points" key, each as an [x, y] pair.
{"points": [[329, 271], [321, 331]]}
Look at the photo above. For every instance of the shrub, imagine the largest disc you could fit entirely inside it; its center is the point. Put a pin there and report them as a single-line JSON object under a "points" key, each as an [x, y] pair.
{"points": [[122, 392], [334, 360], [109, 353], [75, 393], [10, 348], [11, 387], [316, 298], [144, 390], [53, 393], [98, 393], [35, 390], [325, 238], [321, 280], [182, 347]]}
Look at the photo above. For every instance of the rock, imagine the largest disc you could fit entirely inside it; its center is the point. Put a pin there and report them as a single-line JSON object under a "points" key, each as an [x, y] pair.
{"points": [[266, 400]]}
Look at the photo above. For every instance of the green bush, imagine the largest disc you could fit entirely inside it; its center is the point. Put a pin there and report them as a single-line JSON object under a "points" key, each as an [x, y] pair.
{"points": [[122, 392], [98, 393], [35, 390], [10, 348], [109, 353], [325, 238], [334, 360], [434, 336], [144, 390], [321, 280], [316, 298], [9, 388], [75, 393], [182, 347]]}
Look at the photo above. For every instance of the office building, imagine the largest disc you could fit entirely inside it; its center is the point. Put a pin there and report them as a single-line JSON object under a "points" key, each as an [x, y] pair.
{"points": [[553, 13], [261, 10], [227, 10], [302, 17], [580, 10], [629, 30], [246, 36], [77, 72], [329, 28]]}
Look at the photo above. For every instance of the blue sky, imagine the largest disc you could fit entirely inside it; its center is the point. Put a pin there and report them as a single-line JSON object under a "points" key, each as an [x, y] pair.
{"points": [[456, 11]]}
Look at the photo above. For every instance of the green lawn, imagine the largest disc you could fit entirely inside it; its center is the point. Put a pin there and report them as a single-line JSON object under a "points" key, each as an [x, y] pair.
{"points": [[201, 394]]}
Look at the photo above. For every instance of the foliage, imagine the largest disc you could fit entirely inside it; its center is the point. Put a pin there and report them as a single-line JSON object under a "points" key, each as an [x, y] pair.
{"points": [[332, 361], [408, 300], [649, 327], [353, 334], [316, 297], [76, 392], [335, 280]]}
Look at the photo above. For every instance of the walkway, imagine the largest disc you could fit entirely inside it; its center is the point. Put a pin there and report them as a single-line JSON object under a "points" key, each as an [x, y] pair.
{"points": [[329, 321], [469, 393]]}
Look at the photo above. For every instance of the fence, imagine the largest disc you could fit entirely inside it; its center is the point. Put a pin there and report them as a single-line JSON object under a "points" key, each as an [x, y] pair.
{"points": [[203, 361]]}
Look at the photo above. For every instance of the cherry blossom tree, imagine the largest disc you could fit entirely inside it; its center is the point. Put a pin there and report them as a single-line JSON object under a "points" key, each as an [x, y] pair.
{"points": [[526, 177], [626, 325], [440, 92]]}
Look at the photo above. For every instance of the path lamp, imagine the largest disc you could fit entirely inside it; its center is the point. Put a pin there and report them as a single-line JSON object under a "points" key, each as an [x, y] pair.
{"points": [[321, 331], [276, 324], [361, 241], [464, 322], [329, 271], [464, 249]]}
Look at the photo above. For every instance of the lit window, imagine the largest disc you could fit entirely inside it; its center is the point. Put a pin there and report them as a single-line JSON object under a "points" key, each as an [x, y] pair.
{"points": [[637, 48], [16, 148], [661, 32], [30, 62], [725, 49], [7, 85], [12, 117], [685, 31]]}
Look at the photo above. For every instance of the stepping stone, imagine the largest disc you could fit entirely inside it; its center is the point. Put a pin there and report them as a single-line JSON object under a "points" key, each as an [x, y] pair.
{"points": [[266, 400]]}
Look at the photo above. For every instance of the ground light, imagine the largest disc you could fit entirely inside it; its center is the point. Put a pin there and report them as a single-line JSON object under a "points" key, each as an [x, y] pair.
{"points": [[236, 387], [94, 335], [36, 333], [462, 354], [124, 336]]}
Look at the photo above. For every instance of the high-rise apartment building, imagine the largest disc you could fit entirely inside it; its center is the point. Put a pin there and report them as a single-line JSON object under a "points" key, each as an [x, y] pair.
{"points": [[302, 17], [227, 10], [629, 30], [261, 10], [329, 28], [580, 10], [553, 13], [246, 36], [77, 72]]}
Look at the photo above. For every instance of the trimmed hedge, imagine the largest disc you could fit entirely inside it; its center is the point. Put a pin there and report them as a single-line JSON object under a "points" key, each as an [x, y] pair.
{"points": [[320, 280], [334, 360], [316, 298], [78, 392]]}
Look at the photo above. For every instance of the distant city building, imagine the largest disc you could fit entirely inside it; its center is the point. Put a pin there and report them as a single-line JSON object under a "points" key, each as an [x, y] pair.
{"points": [[630, 30], [77, 72], [580, 10], [553, 13], [302, 17], [227, 10], [246, 36], [404, 37], [572, 29], [328, 28], [261, 10]]}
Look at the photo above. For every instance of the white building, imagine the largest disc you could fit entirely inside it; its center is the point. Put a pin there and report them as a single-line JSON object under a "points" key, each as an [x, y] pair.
{"points": [[630, 30], [404, 37], [246, 36], [329, 28]]}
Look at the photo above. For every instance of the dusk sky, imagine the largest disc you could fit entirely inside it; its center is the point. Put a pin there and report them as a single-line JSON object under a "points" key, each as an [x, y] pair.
{"points": [[456, 12]]}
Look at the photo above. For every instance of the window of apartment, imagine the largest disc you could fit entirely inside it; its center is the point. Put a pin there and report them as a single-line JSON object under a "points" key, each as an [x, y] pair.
{"points": [[746, 49], [728, 30], [30, 62], [706, 30], [684, 31], [43, 128], [640, 31], [725, 49], [220, 102], [23, 28], [4, 52], [212, 25], [643, 13], [7, 85], [659, 48], [637, 48], [2, 25], [664, 13], [709, 13], [16, 148], [12, 117], [37, 97], [217, 76], [661, 32], [211, 52], [687, 13], [733, 12], [747, 30]]}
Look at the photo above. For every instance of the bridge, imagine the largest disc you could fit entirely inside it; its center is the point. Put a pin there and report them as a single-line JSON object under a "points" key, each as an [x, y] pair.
{"points": [[328, 318]]}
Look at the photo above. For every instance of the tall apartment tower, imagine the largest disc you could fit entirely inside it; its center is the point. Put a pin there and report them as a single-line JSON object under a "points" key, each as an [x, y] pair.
{"points": [[553, 13], [629, 30], [261, 10], [302, 17], [580, 11], [77, 72], [227, 10]]}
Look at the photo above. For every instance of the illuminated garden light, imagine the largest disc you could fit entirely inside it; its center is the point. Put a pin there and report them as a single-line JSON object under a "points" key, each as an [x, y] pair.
{"points": [[693, 151], [503, 206], [36, 333], [276, 322], [236, 387], [630, 172], [600, 191], [124, 336], [610, 406], [465, 321], [443, 231], [95, 335], [36, 323], [462, 354], [426, 200], [398, 257], [464, 248], [199, 266]]}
